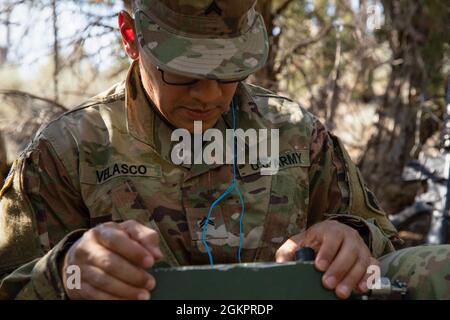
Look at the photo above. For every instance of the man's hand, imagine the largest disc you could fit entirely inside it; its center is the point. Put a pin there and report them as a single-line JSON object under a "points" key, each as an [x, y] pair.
{"points": [[341, 254], [112, 258]]}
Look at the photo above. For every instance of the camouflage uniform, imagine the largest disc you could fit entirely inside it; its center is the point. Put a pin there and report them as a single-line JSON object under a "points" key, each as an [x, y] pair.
{"points": [[425, 270], [109, 160]]}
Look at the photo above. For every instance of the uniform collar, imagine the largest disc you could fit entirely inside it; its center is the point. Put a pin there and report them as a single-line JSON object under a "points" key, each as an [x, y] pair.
{"points": [[140, 109]]}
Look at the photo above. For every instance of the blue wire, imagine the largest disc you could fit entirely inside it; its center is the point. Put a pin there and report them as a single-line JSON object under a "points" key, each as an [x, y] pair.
{"points": [[231, 187], [241, 240], [241, 200]]}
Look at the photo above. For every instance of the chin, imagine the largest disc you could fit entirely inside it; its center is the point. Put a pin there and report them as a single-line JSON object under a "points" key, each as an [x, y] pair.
{"points": [[205, 126]]}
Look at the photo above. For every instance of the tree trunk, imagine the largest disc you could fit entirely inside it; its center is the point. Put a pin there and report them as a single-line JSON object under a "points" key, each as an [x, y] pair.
{"points": [[7, 25], [266, 76], [389, 148], [3, 164], [55, 51]]}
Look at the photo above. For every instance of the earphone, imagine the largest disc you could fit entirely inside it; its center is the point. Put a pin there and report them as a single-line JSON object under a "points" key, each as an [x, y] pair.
{"points": [[232, 187]]}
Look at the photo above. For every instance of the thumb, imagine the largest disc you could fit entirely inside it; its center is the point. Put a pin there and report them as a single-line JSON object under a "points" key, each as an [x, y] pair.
{"points": [[287, 251]]}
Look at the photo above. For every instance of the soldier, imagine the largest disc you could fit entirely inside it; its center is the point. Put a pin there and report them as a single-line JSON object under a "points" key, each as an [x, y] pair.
{"points": [[97, 187]]}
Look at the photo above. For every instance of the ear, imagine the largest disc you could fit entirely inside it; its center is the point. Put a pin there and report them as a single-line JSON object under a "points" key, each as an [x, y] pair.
{"points": [[127, 30]]}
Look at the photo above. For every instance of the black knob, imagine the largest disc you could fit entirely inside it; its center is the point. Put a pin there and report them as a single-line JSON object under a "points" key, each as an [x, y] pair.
{"points": [[305, 254]]}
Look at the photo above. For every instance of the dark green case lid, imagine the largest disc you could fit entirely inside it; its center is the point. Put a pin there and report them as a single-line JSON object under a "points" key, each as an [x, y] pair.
{"points": [[281, 281]]}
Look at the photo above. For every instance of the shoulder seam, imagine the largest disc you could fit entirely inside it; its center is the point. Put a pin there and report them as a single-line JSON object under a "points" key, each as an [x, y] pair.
{"points": [[106, 100], [273, 96]]}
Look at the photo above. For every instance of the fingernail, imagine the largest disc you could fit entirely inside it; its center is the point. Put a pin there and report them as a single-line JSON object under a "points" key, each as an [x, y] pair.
{"points": [[158, 252], [330, 282], [144, 295], [150, 284], [148, 261], [322, 264], [344, 290], [363, 286]]}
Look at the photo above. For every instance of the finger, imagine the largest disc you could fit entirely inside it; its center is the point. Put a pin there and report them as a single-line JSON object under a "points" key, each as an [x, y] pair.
{"points": [[117, 240], [147, 237], [341, 265], [119, 268], [287, 251], [102, 281], [328, 250], [88, 292], [353, 278]]}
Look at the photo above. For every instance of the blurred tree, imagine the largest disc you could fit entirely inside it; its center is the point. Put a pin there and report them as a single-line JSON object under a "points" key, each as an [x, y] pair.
{"points": [[25, 107], [418, 35], [3, 163]]}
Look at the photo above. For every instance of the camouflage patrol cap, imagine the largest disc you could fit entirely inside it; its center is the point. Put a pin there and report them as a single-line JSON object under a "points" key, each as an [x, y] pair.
{"points": [[215, 39]]}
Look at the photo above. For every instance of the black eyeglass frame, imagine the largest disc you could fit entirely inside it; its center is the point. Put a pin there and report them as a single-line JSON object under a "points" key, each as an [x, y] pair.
{"points": [[194, 81]]}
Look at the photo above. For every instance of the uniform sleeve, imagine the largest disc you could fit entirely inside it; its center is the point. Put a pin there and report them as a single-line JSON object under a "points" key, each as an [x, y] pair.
{"points": [[41, 215], [338, 192]]}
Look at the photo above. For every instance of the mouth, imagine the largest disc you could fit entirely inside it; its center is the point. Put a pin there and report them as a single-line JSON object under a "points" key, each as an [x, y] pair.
{"points": [[198, 114]]}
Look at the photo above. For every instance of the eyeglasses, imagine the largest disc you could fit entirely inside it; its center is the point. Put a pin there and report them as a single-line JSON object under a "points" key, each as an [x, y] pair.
{"points": [[178, 80]]}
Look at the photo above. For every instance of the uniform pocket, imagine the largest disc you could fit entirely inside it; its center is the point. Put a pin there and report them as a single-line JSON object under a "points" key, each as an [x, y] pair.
{"points": [[287, 211], [117, 200], [215, 225], [128, 203]]}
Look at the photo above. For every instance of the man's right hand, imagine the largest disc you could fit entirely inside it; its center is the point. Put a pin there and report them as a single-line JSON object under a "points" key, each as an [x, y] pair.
{"points": [[112, 258]]}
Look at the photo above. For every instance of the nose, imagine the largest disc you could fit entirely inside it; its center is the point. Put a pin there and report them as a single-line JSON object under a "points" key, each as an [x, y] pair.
{"points": [[206, 91]]}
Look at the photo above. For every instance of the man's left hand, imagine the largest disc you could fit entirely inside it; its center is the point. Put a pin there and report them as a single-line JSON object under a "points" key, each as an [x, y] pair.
{"points": [[341, 254]]}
